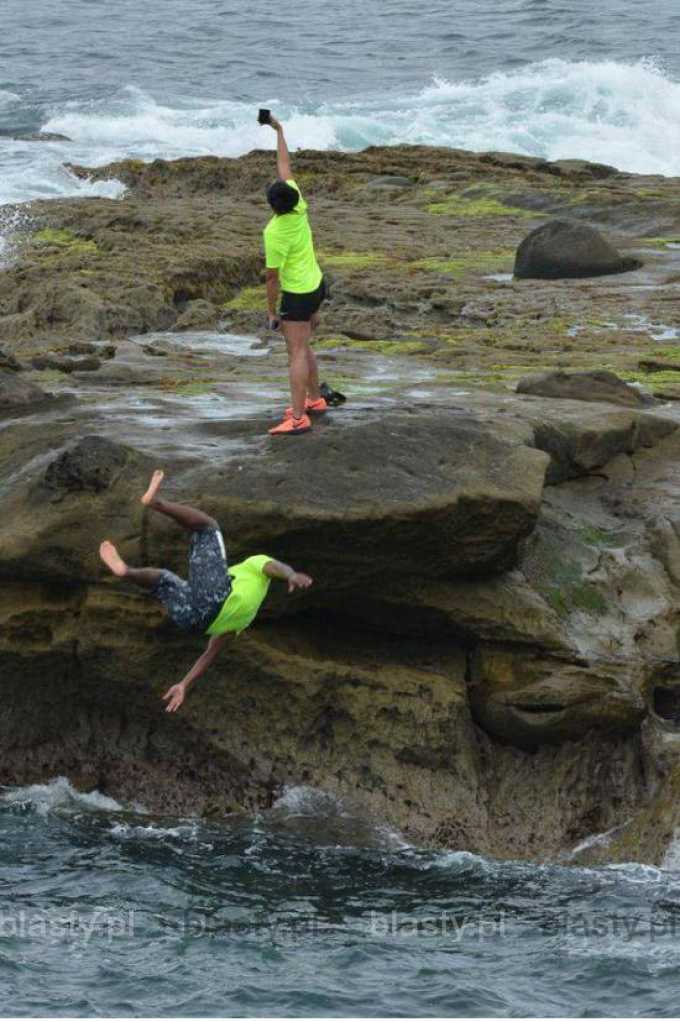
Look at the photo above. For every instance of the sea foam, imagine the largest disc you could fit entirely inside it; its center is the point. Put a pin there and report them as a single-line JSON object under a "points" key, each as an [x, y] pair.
{"points": [[618, 113], [623, 114], [58, 793]]}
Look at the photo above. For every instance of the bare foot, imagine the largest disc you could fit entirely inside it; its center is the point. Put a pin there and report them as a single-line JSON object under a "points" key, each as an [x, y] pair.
{"points": [[154, 486], [112, 559]]}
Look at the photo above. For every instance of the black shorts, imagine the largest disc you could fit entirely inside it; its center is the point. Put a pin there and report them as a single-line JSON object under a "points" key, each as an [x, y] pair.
{"points": [[299, 308]]}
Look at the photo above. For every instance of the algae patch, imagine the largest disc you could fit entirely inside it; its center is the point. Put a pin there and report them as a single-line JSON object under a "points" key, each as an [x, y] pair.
{"points": [[352, 260], [64, 240], [380, 347], [475, 207], [660, 243], [249, 299], [474, 262]]}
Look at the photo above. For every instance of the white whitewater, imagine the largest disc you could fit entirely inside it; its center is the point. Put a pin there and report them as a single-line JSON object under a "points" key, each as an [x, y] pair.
{"points": [[613, 112]]}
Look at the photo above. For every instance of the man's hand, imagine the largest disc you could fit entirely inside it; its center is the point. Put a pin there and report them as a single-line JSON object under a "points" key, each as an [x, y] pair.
{"points": [[276, 125], [298, 580], [176, 696], [273, 322]]}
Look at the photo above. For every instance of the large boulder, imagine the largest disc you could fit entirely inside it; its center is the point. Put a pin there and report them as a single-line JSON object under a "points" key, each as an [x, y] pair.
{"points": [[563, 248], [578, 436], [430, 493], [591, 385], [16, 392]]}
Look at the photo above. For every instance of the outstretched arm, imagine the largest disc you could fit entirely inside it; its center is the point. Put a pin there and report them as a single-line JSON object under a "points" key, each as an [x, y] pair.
{"points": [[175, 695], [295, 579], [282, 155]]}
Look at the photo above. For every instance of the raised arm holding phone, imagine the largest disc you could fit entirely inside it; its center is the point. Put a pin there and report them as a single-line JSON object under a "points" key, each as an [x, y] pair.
{"points": [[293, 274]]}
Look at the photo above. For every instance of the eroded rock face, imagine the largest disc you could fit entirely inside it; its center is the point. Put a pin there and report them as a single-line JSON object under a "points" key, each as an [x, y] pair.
{"points": [[92, 465], [567, 249], [452, 668]]}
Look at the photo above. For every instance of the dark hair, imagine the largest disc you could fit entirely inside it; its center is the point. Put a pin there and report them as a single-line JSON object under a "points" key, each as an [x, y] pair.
{"points": [[282, 197]]}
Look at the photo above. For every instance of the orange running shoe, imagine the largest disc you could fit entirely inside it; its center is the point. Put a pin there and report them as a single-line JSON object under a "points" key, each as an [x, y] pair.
{"points": [[317, 407], [292, 426]]}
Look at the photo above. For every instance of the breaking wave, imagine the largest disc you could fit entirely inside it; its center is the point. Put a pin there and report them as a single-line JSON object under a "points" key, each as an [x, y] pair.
{"points": [[612, 112], [56, 794]]}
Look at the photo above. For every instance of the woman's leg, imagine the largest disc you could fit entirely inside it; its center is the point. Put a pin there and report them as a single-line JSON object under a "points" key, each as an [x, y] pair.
{"points": [[313, 391], [297, 339]]}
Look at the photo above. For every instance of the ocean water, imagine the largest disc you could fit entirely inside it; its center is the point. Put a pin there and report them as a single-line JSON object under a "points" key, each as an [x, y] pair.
{"points": [[555, 78], [307, 910]]}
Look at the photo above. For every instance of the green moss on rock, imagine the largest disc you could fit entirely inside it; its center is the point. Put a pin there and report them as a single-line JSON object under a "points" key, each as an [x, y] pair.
{"points": [[61, 238], [352, 260], [469, 263], [379, 347], [248, 299], [660, 243], [459, 205]]}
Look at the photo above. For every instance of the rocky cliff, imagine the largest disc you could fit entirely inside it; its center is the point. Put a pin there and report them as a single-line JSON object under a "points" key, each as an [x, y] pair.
{"points": [[489, 657]]}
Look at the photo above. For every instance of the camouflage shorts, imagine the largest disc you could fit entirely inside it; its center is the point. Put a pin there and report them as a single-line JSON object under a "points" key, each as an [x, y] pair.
{"points": [[194, 605]]}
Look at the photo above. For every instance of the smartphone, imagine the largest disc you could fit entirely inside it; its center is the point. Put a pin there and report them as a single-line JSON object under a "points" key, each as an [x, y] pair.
{"points": [[264, 117]]}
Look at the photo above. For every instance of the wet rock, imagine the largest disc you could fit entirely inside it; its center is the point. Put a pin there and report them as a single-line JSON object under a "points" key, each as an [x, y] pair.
{"points": [[587, 441], [478, 651], [590, 385], [479, 312], [41, 136], [15, 391], [66, 365], [9, 363], [534, 701], [441, 476], [106, 351], [655, 365], [580, 437], [583, 168], [197, 314], [82, 349], [390, 181], [91, 466], [515, 161], [564, 248]]}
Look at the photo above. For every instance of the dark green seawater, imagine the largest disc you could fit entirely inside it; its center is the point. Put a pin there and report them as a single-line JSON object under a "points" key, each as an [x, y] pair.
{"points": [[307, 910]]}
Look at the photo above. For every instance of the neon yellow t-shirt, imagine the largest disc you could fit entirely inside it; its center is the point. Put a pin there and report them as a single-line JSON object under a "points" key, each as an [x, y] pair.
{"points": [[249, 586], [289, 248]]}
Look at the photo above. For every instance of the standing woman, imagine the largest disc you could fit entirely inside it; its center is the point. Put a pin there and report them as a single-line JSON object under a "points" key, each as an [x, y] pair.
{"points": [[293, 271]]}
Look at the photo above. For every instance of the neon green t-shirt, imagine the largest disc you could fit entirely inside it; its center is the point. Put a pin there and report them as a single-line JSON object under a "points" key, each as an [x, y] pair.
{"points": [[289, 248], [249, 586]]}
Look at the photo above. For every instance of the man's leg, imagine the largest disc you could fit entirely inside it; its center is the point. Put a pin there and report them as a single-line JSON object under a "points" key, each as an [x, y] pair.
{"points": [[188, 517], [147, 578]]}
